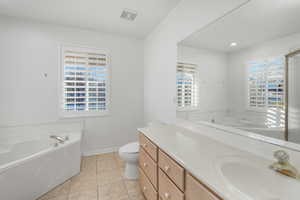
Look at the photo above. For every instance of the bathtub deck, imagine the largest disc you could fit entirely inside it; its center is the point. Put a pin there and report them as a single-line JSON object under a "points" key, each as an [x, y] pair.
{"points": [[101, 178]]}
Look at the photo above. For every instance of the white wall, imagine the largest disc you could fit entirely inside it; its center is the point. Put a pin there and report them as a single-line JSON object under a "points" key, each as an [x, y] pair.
{"points": [[28, 50], [212, 76], [160, 52]]}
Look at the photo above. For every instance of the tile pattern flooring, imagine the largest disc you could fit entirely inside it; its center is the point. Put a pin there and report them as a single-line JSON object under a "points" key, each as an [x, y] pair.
{"points": [[101, 178]]}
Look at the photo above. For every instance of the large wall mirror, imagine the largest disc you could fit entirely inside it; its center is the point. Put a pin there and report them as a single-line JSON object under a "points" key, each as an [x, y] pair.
{"points": [[243, 71]]}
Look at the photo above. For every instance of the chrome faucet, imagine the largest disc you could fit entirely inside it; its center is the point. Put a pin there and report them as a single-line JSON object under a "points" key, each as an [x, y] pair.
{"points": [[283, 165], [58, 138]]}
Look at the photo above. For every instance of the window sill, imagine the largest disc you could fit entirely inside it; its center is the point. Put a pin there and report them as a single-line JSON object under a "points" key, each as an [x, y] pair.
{"points": [[83, 114], [187, 109]]}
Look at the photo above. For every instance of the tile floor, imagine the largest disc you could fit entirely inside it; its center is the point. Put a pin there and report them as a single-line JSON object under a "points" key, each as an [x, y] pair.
{"points": [[101, 178]]}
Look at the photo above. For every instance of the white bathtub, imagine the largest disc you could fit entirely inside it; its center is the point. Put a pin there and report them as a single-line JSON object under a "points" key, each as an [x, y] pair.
{"points": [[33, 165], [250, 121]]}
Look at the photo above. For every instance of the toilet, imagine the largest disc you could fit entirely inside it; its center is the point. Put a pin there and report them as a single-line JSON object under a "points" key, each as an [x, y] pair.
{"points": [[130, 154]]}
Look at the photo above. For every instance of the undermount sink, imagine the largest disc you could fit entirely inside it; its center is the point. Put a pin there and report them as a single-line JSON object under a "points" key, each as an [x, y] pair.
{"points": [[251, 179]]}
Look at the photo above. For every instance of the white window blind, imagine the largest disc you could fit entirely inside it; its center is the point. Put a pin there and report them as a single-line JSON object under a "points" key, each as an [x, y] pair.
{"points": [[186, 85], [85, 80], [266, 83]]}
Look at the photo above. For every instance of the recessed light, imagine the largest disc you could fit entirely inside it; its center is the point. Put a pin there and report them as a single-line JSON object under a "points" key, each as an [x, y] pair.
{"points": [[128, 14], [233, 44]]}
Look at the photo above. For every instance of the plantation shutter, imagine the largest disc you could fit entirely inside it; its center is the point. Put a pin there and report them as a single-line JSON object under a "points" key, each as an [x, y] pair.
{"points": [[266, 83], [186, 85], [85, 80]]}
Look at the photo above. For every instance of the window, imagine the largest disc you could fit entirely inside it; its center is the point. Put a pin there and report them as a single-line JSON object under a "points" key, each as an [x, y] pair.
{"points": [[186, 85], [85, 81], [266, 84]]}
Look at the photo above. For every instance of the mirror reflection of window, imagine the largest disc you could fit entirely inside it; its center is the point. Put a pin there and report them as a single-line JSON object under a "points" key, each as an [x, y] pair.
{"points": [[266, 90], [186, 76]]}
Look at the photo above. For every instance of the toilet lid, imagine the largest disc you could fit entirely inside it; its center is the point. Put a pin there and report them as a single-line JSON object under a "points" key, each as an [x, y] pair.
{"points": [[133, 147]]}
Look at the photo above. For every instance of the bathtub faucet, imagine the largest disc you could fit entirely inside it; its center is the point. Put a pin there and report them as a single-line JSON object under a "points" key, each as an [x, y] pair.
{"points": [[58, 138]]}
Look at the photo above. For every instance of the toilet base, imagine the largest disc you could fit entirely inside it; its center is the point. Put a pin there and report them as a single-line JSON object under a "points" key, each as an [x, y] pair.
{"points": [[131, 171]]}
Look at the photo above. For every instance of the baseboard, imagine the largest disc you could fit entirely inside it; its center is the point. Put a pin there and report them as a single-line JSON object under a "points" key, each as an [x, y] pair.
{"points": [[100, 151]]}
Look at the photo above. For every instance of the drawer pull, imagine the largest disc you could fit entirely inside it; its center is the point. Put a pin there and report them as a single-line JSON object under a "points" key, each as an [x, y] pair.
{"points": [[145, 164], [167, 168], [167, 195], [144, 188]]}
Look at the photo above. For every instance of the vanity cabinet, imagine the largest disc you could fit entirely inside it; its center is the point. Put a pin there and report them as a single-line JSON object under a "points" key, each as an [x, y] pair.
{"points": [[196, 190], [162, 178], [147, 188], [173, 170], [148, 146], [149, 167], [167, 189]]}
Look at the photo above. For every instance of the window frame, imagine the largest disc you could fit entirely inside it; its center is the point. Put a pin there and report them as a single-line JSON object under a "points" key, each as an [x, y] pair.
{"points": [[87, 113], [196, 83]]}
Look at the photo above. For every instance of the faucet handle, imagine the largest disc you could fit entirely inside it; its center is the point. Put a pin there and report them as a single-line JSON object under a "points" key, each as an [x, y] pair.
{"points": [[281, 156]]}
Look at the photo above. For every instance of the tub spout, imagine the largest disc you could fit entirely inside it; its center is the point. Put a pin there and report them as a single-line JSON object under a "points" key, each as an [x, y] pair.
{"points": [[58, 138]]}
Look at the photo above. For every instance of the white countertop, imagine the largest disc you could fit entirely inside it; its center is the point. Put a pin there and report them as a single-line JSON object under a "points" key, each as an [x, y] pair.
{"points": [[200, 155]]}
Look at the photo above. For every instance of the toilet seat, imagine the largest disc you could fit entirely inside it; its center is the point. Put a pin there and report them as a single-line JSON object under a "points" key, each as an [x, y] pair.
{"points": [[131, 148]]}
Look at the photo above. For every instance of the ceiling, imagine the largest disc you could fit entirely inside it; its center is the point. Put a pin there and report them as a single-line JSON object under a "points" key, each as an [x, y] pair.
{"points": [[100, 15], [254, 23]]}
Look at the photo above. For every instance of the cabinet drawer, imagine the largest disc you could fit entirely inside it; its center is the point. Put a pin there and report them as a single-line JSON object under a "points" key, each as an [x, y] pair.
{"points": [[167, 189], [194, 190], [148, 146], [172, 169], [146, 187], [149, 167]]}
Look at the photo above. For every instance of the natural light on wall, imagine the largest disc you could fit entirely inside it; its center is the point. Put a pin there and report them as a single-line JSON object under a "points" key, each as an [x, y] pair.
{"points": [[187, 87], [85, 81]]}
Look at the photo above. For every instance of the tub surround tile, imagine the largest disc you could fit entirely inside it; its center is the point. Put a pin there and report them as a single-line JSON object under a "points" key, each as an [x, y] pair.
{"points": [[101, 178]]}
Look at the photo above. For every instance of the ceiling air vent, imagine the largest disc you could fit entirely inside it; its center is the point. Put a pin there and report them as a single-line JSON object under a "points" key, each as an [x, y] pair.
{"points": [[128, 14]]}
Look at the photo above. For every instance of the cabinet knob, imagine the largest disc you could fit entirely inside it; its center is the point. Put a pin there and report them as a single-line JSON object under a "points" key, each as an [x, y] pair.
{"points": [[145, 164], [167, 195], [144, 188], [144, 145], [167, 168]]}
